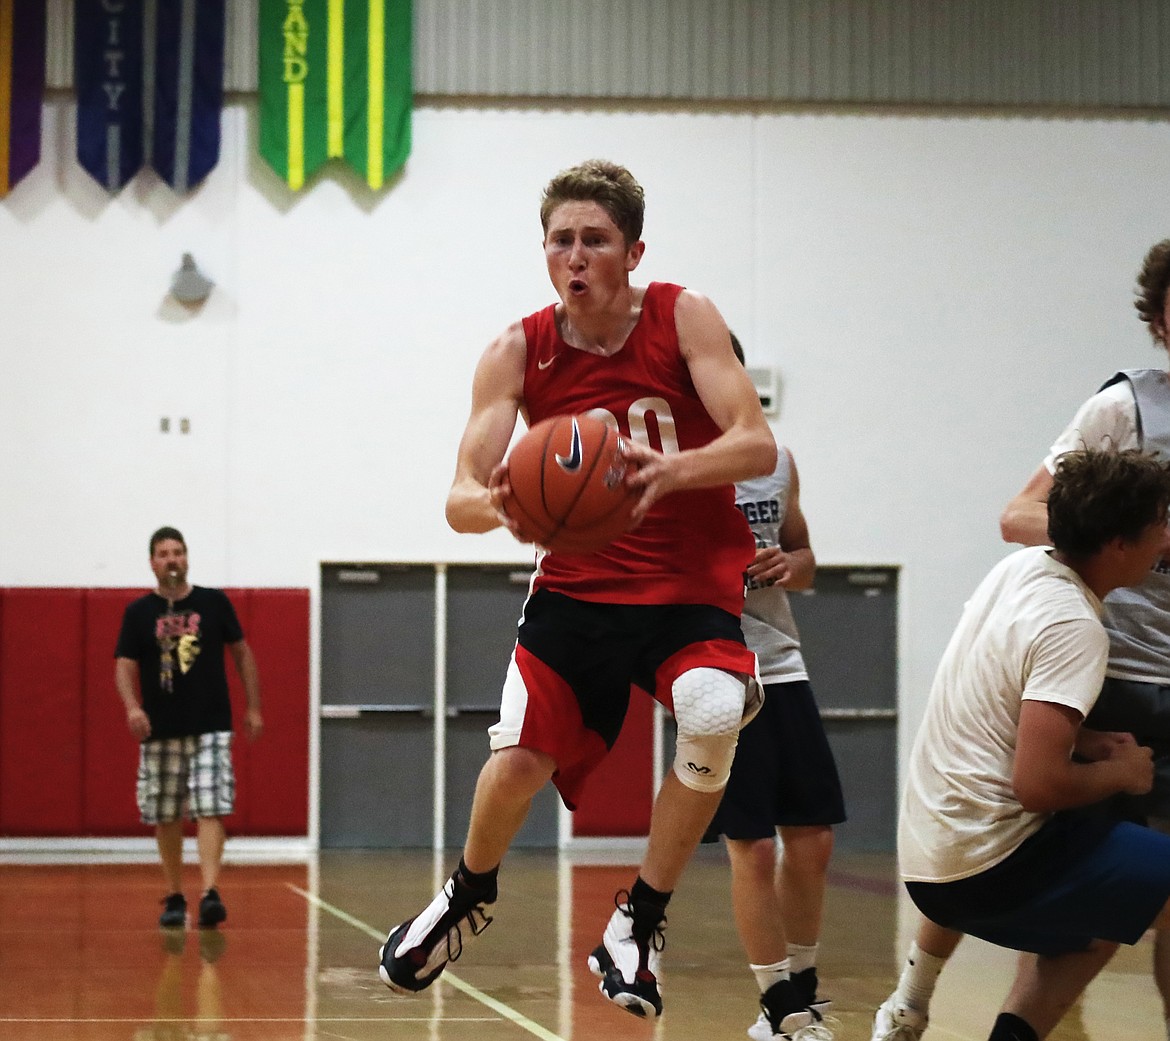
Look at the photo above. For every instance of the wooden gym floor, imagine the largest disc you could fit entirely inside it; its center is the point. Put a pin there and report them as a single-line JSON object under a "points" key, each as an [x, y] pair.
{"points": [[82, 958]]}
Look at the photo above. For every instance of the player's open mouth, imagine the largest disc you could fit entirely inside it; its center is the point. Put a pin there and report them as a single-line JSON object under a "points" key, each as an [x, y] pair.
{"points": [[577, 286]]}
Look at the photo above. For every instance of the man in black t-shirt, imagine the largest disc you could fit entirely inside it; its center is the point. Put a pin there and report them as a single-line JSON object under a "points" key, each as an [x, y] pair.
{"points": [[171, 654]]}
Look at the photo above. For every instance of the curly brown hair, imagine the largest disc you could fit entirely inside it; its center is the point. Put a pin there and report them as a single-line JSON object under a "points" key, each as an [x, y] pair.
{"points": [[1099, 495], [608, 184], [1153, 281]]}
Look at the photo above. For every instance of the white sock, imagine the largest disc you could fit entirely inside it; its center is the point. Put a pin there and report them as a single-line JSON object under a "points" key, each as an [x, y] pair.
{"points": [[766, 975], [919, 975], [801, 957]]}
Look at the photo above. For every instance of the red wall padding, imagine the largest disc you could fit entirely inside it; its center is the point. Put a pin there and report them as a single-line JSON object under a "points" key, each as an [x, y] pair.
{"points": [[618, 796], [67, 760], [272, 774], [237, 823], [111, 751], [41, 680]]}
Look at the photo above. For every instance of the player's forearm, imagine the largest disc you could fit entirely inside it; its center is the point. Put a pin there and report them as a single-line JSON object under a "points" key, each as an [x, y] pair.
{"points": [[1071, 785], [802, 568], [1025, 521], [469, 509], [736, 455]]}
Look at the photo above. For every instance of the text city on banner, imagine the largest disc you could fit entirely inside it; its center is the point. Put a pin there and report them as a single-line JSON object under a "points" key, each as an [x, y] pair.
{"points": [[149, 80]]}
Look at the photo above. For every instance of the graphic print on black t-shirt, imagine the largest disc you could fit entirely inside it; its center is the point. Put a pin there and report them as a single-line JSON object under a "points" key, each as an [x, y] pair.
{"points": [[177, 634], [179, 647]]}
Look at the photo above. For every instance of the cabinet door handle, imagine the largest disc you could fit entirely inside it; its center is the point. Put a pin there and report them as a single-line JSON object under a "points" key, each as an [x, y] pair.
{"points": [[472, 710], [356, 711], [859, 713]]}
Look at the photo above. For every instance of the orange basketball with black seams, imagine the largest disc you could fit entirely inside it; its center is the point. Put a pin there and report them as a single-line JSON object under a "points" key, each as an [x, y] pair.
{"points": [[567, 476]]}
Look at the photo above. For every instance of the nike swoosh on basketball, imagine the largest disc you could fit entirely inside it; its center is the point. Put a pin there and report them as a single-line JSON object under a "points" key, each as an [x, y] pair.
{"points": [[542, 365], [572, 462]]}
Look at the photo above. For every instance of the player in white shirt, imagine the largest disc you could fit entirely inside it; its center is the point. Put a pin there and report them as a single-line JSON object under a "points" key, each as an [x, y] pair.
{"points": [[1131, 411], [994, 839]]}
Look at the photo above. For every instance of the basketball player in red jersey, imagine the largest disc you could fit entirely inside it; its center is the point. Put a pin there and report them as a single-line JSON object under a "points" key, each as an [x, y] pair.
{"points": [[658, 608]]}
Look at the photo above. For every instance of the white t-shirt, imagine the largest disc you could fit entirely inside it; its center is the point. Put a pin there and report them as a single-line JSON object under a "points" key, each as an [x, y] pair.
{"points": [[769, 627], [1136, 617], [1107, 420], [1030, 631]]}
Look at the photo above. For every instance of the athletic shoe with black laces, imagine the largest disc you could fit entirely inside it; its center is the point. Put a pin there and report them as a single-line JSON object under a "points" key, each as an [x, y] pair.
{"points": [[629, 967], [418, 950], [761, 1030], [174, 914], [211, 910], [894, 1022], [805, 982], [806, 985], [784, 1017]]}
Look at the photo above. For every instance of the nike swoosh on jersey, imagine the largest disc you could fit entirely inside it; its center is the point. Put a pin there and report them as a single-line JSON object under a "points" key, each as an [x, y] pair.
{"points": [[542, 365], [572, 462]]}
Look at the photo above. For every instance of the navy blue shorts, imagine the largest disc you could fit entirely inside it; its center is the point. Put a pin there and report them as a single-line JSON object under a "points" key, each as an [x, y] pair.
{"points": [[1082, 877], [784, 774], [1141, 709]]}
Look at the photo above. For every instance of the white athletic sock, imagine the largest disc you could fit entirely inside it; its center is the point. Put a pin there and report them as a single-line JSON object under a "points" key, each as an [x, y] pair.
{"points": [[801, 957], [766, 975], [919, 975]]}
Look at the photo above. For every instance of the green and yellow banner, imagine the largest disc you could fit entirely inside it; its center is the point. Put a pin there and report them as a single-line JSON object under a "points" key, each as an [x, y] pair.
{"points": [[335, 83]]}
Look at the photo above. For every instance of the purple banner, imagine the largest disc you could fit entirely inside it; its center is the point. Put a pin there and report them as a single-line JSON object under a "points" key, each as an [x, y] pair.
{"points": [[22, 88]]}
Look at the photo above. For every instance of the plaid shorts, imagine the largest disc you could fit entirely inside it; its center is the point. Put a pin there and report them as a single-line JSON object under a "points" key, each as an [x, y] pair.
{"points": [[186, 776]]}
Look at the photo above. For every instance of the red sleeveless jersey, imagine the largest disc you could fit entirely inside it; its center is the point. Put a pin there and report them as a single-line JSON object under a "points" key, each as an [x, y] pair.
{"points": [[693, 546]]}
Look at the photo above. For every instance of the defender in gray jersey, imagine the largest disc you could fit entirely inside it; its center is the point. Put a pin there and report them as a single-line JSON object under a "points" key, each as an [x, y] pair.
{"points": [[1132, 410], [783, 777]]}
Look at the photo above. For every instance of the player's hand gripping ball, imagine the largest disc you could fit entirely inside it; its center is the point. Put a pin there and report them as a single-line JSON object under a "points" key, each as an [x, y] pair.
{"points": [[568, 491]]}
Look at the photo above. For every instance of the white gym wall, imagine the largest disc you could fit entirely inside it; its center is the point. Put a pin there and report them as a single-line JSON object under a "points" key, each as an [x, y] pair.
{"points": [[938, 293]]}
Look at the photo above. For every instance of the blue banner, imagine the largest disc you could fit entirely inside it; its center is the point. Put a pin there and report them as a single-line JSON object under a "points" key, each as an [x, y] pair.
{"points": [[107, 58], [187, 75]]}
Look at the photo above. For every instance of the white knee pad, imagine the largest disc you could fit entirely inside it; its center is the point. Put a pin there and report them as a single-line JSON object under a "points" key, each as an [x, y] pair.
{"points": [[708, 708]]}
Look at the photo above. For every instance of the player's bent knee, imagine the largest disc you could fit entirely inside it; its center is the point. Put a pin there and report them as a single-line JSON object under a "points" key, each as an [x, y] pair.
{"points": [[754, 859], [708, 708], [517, 768], [704, 763]]}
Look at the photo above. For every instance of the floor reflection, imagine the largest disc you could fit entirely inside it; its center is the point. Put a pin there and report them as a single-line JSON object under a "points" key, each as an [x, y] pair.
{"points": [[82, 958]]}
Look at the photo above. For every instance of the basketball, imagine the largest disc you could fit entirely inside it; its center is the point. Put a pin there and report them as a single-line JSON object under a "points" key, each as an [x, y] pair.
{"points": [[568, 485]]}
